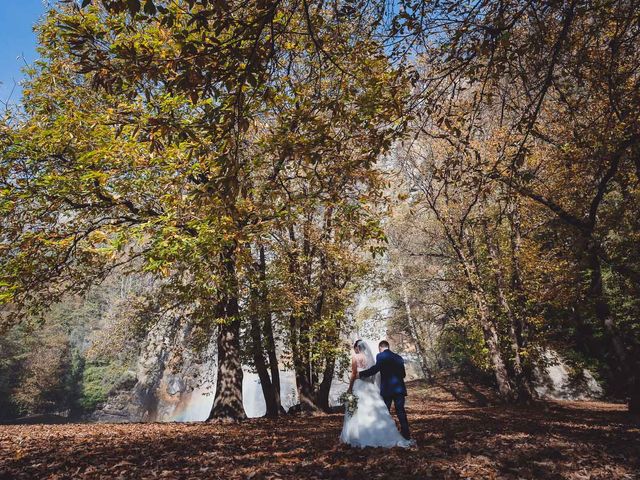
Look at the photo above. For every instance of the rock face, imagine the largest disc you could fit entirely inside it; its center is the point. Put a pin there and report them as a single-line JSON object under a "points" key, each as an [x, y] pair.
{"points": [[174, 384], [163, 382], [184, 391], [556, 379], [121, 407]]}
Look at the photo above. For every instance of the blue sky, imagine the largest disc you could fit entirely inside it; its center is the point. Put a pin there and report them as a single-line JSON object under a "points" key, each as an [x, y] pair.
{"points": [[17, 39]]}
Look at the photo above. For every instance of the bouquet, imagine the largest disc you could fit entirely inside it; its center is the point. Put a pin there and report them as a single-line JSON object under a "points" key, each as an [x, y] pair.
{"points": [[350, 402]]}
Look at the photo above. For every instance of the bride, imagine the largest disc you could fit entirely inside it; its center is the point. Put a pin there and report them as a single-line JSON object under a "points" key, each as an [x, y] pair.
{"points": [[371, 424]]}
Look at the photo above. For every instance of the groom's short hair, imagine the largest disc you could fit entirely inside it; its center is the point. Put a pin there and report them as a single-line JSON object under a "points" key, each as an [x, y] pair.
{"points": [[383, 344]]}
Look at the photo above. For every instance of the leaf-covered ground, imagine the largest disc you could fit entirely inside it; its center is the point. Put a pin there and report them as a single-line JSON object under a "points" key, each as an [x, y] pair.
{"points": [[458, 436]]}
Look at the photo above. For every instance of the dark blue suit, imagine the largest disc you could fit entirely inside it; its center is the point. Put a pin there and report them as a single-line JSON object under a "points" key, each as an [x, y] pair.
{"points": [[392, 387]]}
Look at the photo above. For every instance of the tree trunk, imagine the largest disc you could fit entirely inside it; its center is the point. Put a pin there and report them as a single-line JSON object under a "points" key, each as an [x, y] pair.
{"points": [[270, 343], [272, 355], [301, 320], [227, 403], [300, 358], [259, 313], [322, 399], [414, 328], [228, 400], [302, 365], [306, 394], [516, 271], [273, 362], [624, 367], [488, 325], [268, 389], [491, 340], [524, 389], [619, 364], [490, 333]]}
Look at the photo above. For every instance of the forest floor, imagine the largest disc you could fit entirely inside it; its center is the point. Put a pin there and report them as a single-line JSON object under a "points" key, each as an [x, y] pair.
{"points": [[459, 433]]}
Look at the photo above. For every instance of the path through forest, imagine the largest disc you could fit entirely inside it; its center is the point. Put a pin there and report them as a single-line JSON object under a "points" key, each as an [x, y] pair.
{"points": [[459, 434]]}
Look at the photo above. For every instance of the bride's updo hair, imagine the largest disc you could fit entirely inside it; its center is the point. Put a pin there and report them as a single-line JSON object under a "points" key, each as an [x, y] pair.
{"points": [[358, 346]]}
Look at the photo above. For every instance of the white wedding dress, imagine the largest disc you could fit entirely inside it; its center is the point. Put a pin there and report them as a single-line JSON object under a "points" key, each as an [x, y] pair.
{"points": [[371, 425]]}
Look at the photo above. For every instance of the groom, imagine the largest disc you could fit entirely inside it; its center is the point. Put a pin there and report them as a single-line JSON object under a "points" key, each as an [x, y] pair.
{"points": [[392, 388]]}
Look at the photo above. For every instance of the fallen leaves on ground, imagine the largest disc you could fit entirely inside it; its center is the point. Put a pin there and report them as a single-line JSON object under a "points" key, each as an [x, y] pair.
{"points": [[460, 434]]}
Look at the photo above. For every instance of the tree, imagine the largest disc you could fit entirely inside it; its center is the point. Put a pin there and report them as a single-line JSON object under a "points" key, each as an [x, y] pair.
{"points": [[561, 82], [171, 140]]}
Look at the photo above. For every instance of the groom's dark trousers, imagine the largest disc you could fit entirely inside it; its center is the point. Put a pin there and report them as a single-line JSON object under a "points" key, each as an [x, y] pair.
{"points": [[400, 411], [392, 387]]}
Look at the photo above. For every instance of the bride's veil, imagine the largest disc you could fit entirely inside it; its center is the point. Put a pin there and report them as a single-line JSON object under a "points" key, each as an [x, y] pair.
{"points": [[365, 349]]}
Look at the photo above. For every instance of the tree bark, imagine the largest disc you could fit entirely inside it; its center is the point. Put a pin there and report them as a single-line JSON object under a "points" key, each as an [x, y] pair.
{"points": [[259, 314], [273, 361], [268, 389], [324, 388], [270, 343], [227, 403], [228, 400], [620, 365], [523, 386], [489, 330], [414, 328]]}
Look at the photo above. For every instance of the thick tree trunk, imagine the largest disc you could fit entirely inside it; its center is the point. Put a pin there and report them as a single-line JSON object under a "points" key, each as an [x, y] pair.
{"points": [[259, 313], [228, 400], [268, 389], [491, 340], [524, 389], [306, 396], [619, 363], [269, 338], [302, 365], [322, 399], [227, 403], [489, 329]]}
